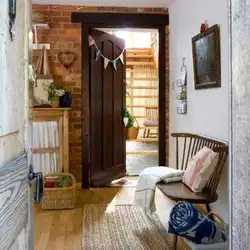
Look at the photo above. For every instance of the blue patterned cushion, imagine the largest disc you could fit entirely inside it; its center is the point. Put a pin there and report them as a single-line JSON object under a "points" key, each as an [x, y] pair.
{"points": [[185, 220]]}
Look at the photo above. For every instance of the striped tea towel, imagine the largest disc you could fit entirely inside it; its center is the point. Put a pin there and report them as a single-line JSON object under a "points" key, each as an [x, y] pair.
{"points": [[149, 177]]}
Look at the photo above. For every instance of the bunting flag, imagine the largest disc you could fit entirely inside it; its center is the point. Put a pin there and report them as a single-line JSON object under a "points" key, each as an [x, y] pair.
{"points": [[98, 54], [114, 64], [106, 62], [121, 58], [105, 59]]}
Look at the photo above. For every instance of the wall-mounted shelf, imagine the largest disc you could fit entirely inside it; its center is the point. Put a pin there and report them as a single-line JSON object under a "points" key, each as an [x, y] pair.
{"points": [[36, 27], [40, 46], [40, 26]]}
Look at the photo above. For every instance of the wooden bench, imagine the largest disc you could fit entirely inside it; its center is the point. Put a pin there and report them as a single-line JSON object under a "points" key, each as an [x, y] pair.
{"points": [[187, 145]]}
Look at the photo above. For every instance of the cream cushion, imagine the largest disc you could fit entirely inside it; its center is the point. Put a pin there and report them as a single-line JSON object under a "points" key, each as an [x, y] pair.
{"points": [[200, 169]]}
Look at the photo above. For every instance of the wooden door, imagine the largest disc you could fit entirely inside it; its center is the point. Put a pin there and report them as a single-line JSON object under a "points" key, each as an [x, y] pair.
{"points": [[107, 104]]}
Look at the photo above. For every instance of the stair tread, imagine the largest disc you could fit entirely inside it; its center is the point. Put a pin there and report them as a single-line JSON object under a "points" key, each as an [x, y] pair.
{"points": [[135, 55], [142, 70], [142, 87], [138, 63]]}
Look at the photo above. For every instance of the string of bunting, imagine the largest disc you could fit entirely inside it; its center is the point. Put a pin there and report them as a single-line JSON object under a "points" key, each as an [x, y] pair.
{"points": [[106, 60]]}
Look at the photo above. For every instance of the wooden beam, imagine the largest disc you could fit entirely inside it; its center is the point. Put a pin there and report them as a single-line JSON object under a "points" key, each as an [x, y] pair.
{"points": [[163, 106], [66, 142], [85, 114], [149, 20], [45, 150]]}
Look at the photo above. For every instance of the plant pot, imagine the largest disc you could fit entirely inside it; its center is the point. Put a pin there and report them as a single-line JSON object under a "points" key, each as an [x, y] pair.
{"points": [[65, 100], [131, 133], [55, 102]]}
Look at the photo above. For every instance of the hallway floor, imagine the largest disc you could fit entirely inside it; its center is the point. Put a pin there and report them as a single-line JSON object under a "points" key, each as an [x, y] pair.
{"points": [[136, 163], [62, 229]]}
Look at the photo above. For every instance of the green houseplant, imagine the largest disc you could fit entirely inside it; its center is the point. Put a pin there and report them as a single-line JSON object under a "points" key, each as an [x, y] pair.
{"points": [[131, 132], [54, 92]]}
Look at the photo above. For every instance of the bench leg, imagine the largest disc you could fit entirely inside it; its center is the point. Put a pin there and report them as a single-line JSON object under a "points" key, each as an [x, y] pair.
{"points": [[175, 242], [210, 216], [148, 133]]}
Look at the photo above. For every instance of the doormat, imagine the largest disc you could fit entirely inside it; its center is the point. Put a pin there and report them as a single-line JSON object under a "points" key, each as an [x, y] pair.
{"points": [[123, 227], [124, 182]]}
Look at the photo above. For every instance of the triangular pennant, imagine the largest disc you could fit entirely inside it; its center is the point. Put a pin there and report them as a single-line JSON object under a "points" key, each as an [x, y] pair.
{"points": [[114, 64], [106, 62], [121, 58], [91, 41], [97, 55]]}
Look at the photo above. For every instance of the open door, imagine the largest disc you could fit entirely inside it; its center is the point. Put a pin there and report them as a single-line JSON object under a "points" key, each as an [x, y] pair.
{"points": [[16, 194], [107, 104]]}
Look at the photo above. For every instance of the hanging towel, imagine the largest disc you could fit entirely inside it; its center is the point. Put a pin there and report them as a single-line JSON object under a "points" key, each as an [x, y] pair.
{"points": [[149, 177], [40, 95]]}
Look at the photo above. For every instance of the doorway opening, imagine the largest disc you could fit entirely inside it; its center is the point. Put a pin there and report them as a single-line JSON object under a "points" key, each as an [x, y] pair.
{"points": [[104, 157], [142, 95]]}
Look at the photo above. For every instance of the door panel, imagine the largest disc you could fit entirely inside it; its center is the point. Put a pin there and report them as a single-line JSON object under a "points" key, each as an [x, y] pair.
{"points": [[96, 112], [107, 103], [108, 106], [13, 199], [119, 94]]}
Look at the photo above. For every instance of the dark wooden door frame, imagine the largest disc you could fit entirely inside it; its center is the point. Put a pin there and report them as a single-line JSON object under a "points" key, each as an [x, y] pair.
{"points": [[120, 20]]}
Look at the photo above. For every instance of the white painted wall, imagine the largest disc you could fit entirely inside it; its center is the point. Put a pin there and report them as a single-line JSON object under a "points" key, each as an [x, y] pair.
{"points": [[208, 110], [16, 54]]}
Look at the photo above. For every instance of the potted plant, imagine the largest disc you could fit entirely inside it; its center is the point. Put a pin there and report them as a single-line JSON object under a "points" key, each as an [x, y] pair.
{"points": [[54, 92], [131, 132]]}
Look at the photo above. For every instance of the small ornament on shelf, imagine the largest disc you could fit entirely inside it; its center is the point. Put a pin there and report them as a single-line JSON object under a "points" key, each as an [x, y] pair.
{"points": [[204, 27]]}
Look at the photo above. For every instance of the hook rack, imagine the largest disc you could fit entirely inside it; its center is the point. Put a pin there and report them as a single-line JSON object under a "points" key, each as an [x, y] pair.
{"points": [[181, 84], [183, 65]]}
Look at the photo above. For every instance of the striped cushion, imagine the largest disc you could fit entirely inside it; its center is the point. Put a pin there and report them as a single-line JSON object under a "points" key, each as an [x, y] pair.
{"points": [[200, 169]]}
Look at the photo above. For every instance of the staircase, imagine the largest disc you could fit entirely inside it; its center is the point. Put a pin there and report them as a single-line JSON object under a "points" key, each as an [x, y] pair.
{"points": [[142, 89]]}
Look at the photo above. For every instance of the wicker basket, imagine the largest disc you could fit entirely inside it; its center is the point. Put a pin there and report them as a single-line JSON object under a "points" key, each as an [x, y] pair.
{"points": [[59, 198]]}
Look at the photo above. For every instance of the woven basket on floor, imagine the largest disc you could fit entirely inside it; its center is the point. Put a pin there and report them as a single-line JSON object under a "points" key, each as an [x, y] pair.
{"points": [[59, 198]]}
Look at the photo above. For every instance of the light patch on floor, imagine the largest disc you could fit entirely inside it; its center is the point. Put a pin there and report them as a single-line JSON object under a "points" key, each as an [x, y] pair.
{"points": [[136, 163]]}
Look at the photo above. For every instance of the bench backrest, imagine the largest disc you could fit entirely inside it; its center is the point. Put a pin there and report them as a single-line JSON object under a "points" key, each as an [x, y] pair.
{"points": [[187, 145]]}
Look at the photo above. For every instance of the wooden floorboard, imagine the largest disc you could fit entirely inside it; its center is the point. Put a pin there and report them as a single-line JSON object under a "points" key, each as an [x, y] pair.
{"points": [[62, 229]]}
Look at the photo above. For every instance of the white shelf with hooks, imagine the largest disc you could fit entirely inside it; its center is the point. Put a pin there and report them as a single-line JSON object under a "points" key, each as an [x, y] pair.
{"points": [[36, 27]]}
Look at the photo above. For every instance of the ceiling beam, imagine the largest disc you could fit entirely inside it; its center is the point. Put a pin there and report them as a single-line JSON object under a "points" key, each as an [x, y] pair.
{"points": [[148, 20]]}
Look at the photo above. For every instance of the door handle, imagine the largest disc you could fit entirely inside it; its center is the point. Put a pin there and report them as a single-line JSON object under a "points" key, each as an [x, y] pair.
{"points": [[39, 183]]}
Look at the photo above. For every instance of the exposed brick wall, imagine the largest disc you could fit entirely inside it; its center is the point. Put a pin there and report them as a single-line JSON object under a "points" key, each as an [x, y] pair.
{"points": [[63, 35]]}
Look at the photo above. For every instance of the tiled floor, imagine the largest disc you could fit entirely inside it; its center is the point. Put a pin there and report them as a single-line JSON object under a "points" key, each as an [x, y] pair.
{"points": [[136, 163]]}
